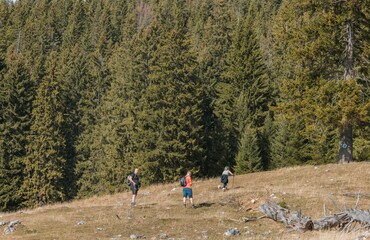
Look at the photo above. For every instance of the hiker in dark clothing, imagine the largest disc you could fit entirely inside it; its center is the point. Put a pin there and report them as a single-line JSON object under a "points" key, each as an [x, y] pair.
{"points": [[225, 178], [135, 185]]}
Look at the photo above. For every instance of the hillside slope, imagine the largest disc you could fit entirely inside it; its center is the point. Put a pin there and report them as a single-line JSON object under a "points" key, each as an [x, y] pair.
{"points": [[160, 212]]}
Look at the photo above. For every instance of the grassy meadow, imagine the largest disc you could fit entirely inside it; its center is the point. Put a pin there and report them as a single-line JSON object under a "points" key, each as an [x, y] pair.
{"points": [[160, 213]]}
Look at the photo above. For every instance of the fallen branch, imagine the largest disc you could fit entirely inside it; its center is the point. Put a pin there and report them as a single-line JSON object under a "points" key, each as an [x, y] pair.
{"points": [[251, 219]]}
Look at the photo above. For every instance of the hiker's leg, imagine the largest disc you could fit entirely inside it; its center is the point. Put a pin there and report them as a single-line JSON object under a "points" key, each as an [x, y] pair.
{"points": [[184, 194], [191, 197], [134, 194]]}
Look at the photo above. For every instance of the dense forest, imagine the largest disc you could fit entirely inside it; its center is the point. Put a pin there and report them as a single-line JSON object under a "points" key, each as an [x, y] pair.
{"points": [[90, 89]]}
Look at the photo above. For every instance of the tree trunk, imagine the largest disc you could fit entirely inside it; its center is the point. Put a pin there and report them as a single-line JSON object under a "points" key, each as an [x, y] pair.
{"points": [[345, 144]]}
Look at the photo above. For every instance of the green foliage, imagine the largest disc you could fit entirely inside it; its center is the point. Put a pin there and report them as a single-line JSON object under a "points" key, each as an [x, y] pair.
{"points": [[171, 117], [45, 160], [92, 89], [249, 95], [212, 45], [316, 73], [287, 146], [248, 158], [17, 93]]}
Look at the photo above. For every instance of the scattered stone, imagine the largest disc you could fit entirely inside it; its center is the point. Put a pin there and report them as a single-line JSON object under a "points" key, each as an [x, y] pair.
{"points": [[249, 232], [232, 232], [174, 189], [249, 219], [99, 229], [82, 222], [134, 236], [162, 236], [118, 237]]}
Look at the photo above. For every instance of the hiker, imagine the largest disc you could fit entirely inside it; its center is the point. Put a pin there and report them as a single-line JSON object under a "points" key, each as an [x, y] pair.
{"points": [[187, 190], [225, 178], [134, 185]]}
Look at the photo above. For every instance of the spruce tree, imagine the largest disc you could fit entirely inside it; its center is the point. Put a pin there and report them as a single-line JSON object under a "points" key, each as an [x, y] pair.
{"points": [[106, 144], [45, 160], [76, 83], [4, 17], [249, 95], [170, 122], [248, 159], [287, 149], [17, 93], [213, 46]]}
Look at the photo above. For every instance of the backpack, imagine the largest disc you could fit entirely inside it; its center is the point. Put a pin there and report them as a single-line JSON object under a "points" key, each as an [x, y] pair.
{"points": [[183, 181], [128, 180], [224, 178]]}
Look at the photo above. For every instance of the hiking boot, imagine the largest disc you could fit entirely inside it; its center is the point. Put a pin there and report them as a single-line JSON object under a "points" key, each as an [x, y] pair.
{"points": [[184, 205], [192, 206], [224, 189]]}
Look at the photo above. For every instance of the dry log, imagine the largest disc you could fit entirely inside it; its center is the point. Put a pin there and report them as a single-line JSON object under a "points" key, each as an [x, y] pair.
{"points": [[291, 219], [345, 220]]}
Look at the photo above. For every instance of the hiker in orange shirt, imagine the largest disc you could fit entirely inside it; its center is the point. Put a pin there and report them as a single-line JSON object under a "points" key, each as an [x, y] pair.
{"points": [[187, 190]]}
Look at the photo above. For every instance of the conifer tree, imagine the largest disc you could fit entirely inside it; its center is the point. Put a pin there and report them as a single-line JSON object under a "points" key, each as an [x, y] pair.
{"points": [[248, 97], [17, 93], [287, 149], [76, 83], [106, 144], [4, 16], [248, 158], [213, 46], [169, 123], [45, 160], [310, 60]]}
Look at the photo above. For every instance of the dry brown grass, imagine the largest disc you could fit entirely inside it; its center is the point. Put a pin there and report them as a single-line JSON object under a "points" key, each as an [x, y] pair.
{"points": [[160, 208]]}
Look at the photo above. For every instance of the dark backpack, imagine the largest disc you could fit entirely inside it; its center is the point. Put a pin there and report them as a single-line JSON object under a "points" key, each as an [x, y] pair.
{"points": [[224, 178], [183, 181]]}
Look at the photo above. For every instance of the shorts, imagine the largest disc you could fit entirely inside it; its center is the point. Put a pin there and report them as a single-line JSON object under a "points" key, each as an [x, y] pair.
{"points": [[187, 192], [134, 190]]}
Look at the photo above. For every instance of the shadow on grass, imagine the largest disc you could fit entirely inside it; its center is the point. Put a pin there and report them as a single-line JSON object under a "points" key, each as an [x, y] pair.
{"points": [[204, 205]]}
